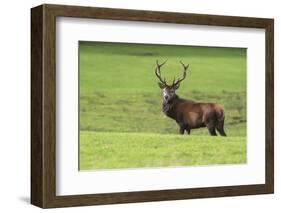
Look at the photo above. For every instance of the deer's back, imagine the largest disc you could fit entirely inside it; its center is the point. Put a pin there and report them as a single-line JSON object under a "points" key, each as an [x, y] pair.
{"points": [[197, 113]]}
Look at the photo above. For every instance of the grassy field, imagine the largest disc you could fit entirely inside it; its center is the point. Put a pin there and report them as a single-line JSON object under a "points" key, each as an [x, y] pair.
{"points": [[134, 150], [121, 122]]}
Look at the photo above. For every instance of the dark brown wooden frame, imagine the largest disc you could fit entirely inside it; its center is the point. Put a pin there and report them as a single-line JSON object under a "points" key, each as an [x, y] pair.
{"points": [[43, 105]]}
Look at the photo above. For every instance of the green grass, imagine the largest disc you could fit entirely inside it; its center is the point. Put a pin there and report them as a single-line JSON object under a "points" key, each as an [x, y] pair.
{"points": [[130, 68], [141, 112], [134, 150], [121, 101]]}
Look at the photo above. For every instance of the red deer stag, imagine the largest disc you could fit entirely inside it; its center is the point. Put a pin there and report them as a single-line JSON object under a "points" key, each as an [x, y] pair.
{"points": [[187, 113]]}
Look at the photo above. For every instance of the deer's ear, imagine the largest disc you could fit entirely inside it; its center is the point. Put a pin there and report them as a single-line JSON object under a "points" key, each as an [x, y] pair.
{"points": [[177, 86], [161, 85]]}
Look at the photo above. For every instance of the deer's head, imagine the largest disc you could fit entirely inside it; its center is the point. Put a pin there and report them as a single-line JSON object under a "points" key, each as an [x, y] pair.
{"points": [[169, 90]]}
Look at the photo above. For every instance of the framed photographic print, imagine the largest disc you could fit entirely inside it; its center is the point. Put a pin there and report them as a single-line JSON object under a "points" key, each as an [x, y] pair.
{"points": [[136, 106]]}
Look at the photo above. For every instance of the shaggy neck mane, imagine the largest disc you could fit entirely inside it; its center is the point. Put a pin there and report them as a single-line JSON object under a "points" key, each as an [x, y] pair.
{"points": [[168, 105]]}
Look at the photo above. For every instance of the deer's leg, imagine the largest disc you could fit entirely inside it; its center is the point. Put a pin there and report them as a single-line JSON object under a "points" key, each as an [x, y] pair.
{"points": [[188, 131], [181, 125], [211, 128], [222, 132], [210, 124], [220, 128], [182, 129]]}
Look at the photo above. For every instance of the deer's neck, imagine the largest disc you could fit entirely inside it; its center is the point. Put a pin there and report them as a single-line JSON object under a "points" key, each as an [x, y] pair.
{"points": [[169, 107]]}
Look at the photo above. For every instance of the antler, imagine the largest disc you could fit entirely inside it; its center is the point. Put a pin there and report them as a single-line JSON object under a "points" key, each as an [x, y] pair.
{"points": [[158, 73], [184, 74]]}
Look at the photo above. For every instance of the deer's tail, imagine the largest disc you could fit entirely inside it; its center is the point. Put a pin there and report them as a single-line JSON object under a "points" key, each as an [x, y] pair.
{"points": [[220, 113], [220, 120]]}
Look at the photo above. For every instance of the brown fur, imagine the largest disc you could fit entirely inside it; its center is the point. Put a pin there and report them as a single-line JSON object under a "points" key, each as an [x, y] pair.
{"points": [[192, 115]]}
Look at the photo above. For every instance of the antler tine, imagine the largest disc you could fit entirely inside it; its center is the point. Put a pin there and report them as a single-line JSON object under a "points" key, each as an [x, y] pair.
{"points": [[158, 73], [184, 73], [184, 66], [160, 65]]}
